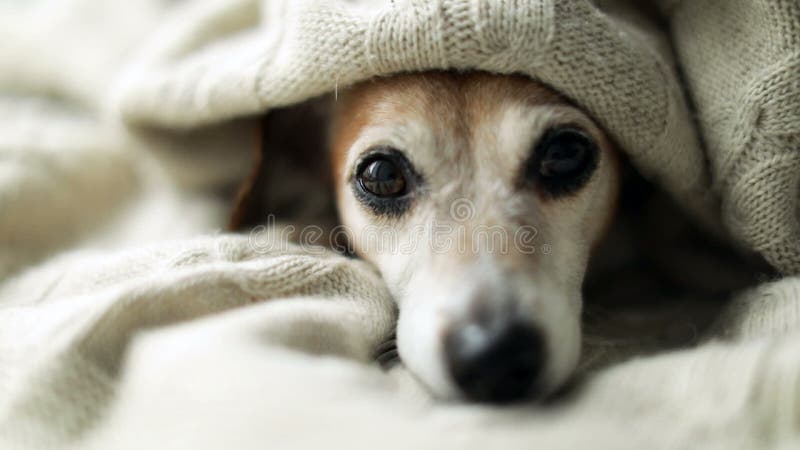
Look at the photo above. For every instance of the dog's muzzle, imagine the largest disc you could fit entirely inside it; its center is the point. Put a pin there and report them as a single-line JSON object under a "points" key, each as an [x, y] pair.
{"points": [[497, 362]]}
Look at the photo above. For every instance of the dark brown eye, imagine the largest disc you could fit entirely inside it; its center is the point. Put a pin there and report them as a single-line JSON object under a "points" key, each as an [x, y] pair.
{"points": [[382, 177], [563, 161], [384, 181]]}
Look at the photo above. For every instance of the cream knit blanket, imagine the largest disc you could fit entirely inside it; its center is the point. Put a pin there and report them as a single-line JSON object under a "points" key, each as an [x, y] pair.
{"points": [[128, 321]]}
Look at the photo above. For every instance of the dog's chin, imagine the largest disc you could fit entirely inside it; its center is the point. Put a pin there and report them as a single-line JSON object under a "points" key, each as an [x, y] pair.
{"points": [[421, 344]]}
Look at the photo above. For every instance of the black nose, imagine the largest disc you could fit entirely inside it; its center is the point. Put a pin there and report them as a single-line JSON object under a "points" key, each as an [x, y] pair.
{"points": [[500, 364]]}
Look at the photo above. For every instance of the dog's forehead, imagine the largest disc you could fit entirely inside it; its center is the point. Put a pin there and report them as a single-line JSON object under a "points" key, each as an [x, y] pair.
{"points": [[442, 120], [447, 102]]}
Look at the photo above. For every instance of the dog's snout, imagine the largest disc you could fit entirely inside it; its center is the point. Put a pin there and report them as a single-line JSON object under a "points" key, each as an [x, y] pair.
{"points": [[497, 364]]}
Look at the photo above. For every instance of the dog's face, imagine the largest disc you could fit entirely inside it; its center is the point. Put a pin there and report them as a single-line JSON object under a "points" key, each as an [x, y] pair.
{"points": [[479, 198]]}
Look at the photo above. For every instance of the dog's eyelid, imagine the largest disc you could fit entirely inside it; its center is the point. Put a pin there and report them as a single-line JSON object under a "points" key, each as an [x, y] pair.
{"points": [[572, 126], [560, 176]]}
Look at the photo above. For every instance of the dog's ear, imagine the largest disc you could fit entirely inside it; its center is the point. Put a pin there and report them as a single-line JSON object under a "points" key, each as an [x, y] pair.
{"points": [[249, 201], [291, 175]]}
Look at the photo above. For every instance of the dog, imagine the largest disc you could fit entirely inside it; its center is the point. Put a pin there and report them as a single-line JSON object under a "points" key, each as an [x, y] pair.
{"points": [[481, 159]]}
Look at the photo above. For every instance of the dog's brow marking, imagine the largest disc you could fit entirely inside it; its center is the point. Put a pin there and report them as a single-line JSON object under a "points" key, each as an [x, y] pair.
{"points": [[454, 105]]}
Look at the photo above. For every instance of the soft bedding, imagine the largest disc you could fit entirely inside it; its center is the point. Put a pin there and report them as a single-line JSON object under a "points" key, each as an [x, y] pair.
{"points": [[130, 319]]}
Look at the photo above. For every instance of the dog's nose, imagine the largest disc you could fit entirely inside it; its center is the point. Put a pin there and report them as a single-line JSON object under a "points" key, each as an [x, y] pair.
{"points": [[500, 364]]}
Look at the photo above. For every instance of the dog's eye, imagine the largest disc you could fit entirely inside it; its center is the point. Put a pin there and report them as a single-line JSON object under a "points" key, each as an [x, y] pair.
{"points": [[563, 161], [383, 181], [382, 177]]}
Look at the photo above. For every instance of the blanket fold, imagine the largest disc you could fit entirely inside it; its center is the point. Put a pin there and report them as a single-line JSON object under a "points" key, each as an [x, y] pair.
{"points": [[67, 331], [747, 92]]}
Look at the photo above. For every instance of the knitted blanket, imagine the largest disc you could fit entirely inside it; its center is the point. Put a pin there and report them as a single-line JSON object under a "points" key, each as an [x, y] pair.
{"points": [[129, 320]]}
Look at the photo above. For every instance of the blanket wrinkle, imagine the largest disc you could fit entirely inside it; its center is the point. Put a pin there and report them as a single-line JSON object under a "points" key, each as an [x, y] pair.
{"points": [[129, 320], [98, 316]]}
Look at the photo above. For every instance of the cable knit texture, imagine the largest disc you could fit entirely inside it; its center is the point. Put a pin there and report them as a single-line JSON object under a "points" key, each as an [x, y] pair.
{"points": [[613, 65], [127, 320], [742, 63]]}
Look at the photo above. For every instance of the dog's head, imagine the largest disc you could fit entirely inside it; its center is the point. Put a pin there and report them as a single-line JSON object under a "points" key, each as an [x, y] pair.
{"points": [[479, 197]]}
